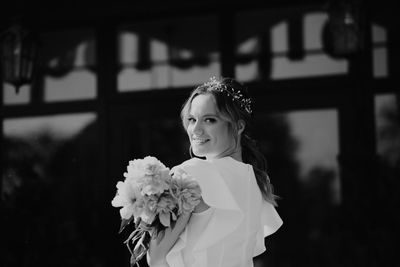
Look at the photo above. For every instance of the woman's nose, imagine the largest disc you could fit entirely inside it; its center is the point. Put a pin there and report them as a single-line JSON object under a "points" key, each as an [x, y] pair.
{"points": [[197, 128]]}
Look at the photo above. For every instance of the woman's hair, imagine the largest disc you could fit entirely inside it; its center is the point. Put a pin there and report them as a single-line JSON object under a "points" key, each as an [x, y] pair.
{"points": [[234, 104]]}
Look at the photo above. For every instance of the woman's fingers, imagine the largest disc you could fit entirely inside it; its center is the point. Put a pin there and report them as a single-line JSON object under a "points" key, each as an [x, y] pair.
{"points": [[171, 234], [163, 242]]}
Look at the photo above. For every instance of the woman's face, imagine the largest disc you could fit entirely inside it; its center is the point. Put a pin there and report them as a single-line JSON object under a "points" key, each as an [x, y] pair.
{"points": [[208, 132]]}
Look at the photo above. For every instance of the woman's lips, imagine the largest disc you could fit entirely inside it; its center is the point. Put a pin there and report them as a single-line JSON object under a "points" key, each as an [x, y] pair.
{"points": [[200, 141]]}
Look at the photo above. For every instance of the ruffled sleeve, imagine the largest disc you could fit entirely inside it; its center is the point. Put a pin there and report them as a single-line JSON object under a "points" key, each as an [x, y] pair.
{"points": [[215, 192], [270, 223], [239, 213]]}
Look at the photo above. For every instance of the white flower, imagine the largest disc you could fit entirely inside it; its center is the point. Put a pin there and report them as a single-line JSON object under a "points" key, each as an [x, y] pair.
{"points": [[127, 195], [150, 175], [165, 207], [186, 190], [147, 208]]}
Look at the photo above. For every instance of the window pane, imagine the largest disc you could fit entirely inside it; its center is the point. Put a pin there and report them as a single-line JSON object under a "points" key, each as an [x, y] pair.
{"points": [[301, 149], [170, 53], [311, 137], [316, 133], [268, 56], [60, 127], [12, 97], [388, 128], [379, 34], [379, 52], [387, 184], [312, 65], [380, 66], [69, 60], [51, 191]]}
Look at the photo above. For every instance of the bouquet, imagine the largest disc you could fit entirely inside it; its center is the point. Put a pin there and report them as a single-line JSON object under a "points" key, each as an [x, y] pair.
{"points": [[152, 197]]}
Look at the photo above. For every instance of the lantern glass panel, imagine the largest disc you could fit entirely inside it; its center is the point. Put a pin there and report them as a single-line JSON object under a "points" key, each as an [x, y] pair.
{"points": [[18, 56]]}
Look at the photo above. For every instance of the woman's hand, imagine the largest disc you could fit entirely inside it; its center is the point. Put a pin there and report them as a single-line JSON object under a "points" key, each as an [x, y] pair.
{"points": [[162, 244]]}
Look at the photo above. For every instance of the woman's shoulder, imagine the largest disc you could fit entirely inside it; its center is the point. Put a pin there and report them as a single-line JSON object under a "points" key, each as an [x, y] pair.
{"points": [[229, 171], [197, 168], [227, 162], [192, 161], [212, 179], [221, 175]]}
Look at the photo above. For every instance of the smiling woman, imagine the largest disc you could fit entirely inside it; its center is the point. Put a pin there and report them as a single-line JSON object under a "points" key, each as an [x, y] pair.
{"points": [[237, 205], [208, 131], [219, 113]]}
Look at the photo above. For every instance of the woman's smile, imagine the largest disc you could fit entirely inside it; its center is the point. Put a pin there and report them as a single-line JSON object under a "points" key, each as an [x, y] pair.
{"points": [[200, 140], [208, 131]]}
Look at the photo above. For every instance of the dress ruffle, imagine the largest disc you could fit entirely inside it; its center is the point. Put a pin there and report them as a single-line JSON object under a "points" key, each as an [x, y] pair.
{"points": [[217, 192], [270, 223]]}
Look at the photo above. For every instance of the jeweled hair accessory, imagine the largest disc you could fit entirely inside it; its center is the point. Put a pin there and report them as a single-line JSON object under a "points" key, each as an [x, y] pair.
{"points": [[235, 94]]}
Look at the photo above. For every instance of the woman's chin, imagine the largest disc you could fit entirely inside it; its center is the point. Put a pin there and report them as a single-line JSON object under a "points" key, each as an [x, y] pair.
{"points": [[199, 152]]}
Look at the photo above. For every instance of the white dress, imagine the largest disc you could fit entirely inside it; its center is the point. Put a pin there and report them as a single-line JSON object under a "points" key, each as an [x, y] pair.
{"points": [[231, 232]]}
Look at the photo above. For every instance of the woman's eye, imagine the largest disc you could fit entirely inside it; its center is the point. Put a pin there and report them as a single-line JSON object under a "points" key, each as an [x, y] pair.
{"points": [[191, 120], [210, 120]]}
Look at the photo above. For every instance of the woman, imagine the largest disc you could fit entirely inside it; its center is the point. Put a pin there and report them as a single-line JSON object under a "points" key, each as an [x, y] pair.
{"points": [[228, 227]]}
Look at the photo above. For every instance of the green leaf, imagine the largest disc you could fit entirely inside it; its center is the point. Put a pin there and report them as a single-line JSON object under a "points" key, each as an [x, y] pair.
{"points": [[124, 223]]}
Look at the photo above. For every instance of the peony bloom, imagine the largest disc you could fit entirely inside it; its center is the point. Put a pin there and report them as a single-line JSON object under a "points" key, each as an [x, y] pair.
{"points": [[126, 197], [152, 165], [154, 184], [165, 208], [150, 175], [186, 190], [148, 212]]}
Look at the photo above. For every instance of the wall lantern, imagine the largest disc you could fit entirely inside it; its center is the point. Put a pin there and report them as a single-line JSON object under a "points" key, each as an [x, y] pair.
{"points": [[345, 30], [18, 55]]}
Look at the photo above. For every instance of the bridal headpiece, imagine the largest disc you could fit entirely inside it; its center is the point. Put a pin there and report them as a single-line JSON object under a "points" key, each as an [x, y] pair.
{"points": [[235, 94]]}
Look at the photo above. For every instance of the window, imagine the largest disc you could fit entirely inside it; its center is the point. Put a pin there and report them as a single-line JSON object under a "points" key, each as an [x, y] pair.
{"points": [[69, 59], [263, 51], [51, 190], [167, 54], [68, 72], [379, 51]]}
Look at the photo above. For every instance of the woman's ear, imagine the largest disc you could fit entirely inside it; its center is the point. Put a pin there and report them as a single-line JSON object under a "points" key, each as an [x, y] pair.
{"points": [[241, 126]]}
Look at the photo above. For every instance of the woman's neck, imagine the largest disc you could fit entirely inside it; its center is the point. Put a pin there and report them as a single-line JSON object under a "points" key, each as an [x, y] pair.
{"points": [[237, 155]]}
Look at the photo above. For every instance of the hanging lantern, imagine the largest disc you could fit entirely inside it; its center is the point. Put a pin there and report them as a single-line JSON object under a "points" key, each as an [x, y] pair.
{"points": [[344, 33], [18, 56]]}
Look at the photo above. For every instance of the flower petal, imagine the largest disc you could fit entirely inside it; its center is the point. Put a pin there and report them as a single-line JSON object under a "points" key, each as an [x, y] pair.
{"points": [[126, 212]]}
